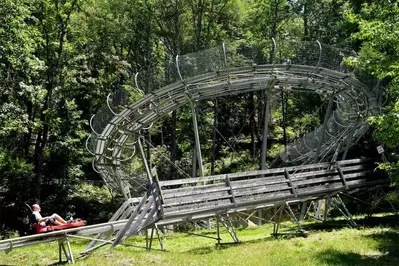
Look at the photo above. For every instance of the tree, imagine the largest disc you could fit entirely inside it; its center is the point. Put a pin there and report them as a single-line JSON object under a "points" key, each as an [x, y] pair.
{"points": [[378, 55]]}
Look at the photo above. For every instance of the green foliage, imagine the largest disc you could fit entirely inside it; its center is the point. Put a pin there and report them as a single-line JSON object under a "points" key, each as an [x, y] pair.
{"points": [[60, 59], [379, 55]]}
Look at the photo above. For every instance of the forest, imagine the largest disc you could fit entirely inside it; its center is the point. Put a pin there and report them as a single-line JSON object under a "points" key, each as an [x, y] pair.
{"points": [[59, 59]]}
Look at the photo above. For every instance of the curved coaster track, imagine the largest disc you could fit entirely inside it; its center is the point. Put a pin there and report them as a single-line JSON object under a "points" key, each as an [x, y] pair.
{"points": [[309, 167], [217, 73]]}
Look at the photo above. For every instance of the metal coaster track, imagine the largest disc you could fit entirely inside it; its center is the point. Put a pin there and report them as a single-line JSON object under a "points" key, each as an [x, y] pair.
{"points": [[117, 132]]}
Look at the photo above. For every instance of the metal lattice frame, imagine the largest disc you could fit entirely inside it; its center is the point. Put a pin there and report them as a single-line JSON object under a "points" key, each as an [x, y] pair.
{"points": [[214, 73]]}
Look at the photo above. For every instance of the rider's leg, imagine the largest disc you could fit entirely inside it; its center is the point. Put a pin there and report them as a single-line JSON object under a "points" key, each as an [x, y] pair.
{"points": [[58, 219]]}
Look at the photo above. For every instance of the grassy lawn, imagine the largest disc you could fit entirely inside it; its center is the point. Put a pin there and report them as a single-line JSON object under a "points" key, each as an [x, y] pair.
{"points": [[375, 245]]}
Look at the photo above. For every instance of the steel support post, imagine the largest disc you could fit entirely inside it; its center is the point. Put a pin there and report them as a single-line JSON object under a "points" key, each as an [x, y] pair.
{"points": [[260, 214], [292, 214], [265, 131], [324, 128], [60, 248], [348, 144], [143, 157], [318, 209], [218, 229], [326, 208], [159, 238], [149, 247], [197, 140], [344, 211], [276, 225], [284, 103], [304, 209], [194, 163], [70, 251], [230, 228]]}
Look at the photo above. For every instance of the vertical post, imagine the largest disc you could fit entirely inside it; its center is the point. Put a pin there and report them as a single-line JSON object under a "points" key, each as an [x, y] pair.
{"points": [[304, 208], [59, 251], [146, 239], [197, 140], [194, 163], [324, 128], [70, 251], [159, 238], [348, 144], [143, 157], [265, 131], [326, 208], [152, 236], [218, 229], [148, 149], [284, 98]]}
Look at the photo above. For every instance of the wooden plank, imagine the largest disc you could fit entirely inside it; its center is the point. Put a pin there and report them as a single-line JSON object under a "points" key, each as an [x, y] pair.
{"points": [[199, 189], [253, 187], [196, 199], [262, 189], [328, 179], [328, 171], [290, 169], [262, 181], [197, 207], [265, 197], [252, 183], [315, 193]]}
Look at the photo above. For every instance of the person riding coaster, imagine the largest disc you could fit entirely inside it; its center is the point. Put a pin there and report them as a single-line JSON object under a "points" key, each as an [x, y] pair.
{"points": [[53, 222]]}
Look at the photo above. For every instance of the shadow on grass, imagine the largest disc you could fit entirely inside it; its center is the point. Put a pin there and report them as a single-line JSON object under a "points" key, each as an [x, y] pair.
{"points": [[226, 245], [334, 257], [368, 222], [387, 245], [59, 263]]}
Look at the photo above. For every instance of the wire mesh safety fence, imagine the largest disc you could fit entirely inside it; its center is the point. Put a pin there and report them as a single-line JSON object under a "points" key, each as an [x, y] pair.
{"points": [[310, 66]]}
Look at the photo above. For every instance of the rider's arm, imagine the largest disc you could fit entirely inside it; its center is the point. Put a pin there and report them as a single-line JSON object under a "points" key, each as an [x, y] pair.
{"points": [[39, 218]]}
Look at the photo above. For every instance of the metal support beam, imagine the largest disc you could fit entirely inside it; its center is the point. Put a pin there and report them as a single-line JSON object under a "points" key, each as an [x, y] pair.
{"points": [[326, 208], [218, 229], [284, 103], [344, 211], [304, 208], [293, 217], [70, 251], [276, 225], [197, 140], [341, 175], [324, 128], [350, 139], [230, 228], [67, 253], [266, 128], [288, 177], [231, 191], [144, 158], [194, 163]]}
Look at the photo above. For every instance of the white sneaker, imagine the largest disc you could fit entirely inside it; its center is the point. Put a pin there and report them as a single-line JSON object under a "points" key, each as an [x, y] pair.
{"points": [[70, 220]]}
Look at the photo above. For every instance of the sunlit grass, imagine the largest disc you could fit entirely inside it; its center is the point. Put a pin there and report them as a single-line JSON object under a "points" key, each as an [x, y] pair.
{"points": [[343, 246]]}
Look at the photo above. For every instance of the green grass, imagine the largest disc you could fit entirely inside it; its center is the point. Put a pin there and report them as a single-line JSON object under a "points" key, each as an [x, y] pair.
{"points": [[343, 246]]}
